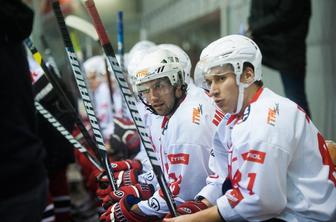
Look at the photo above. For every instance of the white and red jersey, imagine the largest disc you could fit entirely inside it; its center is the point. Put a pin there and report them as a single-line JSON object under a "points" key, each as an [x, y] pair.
{"points": [[278, 164], [103, 107], [183, 144]]}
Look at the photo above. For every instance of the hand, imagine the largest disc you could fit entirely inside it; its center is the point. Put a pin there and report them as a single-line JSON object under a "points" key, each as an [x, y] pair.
{"points": [[123, 178], [141, 191], [121, 211], [183, 218], [332, 149], [189, 207]]}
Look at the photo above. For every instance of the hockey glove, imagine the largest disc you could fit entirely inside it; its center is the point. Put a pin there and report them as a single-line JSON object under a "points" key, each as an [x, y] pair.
{"points": [[126, 165], [142, 191], [123, 178], [121, 211], [189, 207]]}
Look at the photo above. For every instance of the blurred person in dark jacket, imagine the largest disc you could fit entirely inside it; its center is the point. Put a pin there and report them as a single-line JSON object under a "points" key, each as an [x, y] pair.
{"points": [[280, 28], [23, 180]]}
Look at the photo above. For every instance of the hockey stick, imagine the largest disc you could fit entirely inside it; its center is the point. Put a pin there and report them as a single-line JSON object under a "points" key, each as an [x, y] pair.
{"points": [[58, 126], [81, 84], [81, 25], [121, 39], [50, 59], [88, 29], [131, 103], [121, 47], [49, 72]]}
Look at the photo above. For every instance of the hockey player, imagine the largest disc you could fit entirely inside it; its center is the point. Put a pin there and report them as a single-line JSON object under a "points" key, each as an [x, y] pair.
{"points": [[95, 70], [275, 158], [182, 139]]}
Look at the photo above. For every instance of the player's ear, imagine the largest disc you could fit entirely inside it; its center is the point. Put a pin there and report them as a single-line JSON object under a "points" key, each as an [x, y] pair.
{"points": [[248, 75]]}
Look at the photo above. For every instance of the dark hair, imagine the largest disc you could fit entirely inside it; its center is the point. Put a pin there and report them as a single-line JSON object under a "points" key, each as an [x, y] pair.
{"points": [[259, 83]]}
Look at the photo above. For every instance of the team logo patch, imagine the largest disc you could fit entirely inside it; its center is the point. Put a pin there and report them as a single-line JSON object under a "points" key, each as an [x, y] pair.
{"points": [[179, 158], [154, 203], [234, 197], [272, 115], [254, 156], [196, 115]]}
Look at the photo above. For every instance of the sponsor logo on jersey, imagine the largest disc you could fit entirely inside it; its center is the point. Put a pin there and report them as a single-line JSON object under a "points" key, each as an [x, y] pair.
{"points": [[254, 156], [179, 158], [196, 115], [154, 203], [217, 117], [272, 115], [234, 197]]}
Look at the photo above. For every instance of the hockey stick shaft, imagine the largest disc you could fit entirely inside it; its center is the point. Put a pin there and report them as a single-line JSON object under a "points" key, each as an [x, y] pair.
{"points": [[50, 59], [121, 38], [131, 103], [109, 85], [61, 129], [48, 71], [121, 50], [81, 84]]}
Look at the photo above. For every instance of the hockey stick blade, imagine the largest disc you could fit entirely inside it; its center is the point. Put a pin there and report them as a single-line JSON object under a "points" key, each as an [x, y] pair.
{"points": [[82, 25], [131, 103], [83, 89]]}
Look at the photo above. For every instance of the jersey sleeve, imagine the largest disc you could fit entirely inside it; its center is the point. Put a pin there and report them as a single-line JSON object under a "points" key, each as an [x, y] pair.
{"points": [[259, 184]]}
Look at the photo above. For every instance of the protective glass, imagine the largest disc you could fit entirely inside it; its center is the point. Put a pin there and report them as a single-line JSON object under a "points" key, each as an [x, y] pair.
{"points": [[158, 87], [203, 72]]}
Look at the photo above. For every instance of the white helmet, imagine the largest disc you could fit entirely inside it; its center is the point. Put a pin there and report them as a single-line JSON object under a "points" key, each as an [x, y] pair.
{"points": [[183, 57], [158, 64], [136, 54], [234, 50], [95, 65], [145, 44]]}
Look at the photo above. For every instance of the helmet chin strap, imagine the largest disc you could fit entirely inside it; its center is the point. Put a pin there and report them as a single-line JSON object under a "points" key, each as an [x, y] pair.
{"points": [[240, 100], [241, 88]]}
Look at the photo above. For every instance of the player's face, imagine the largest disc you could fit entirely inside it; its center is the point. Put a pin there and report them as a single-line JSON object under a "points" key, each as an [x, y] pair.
{"points": [[159, 94], [93, 81], [223, 88]]}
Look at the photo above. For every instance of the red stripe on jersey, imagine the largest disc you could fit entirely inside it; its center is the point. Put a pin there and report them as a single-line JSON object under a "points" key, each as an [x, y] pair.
{"points": [[218, 117], [307, 117]]}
